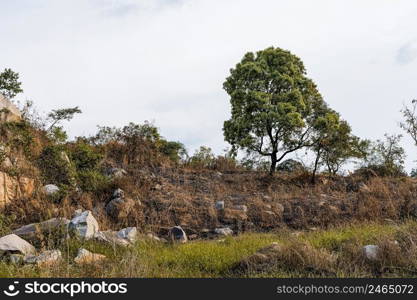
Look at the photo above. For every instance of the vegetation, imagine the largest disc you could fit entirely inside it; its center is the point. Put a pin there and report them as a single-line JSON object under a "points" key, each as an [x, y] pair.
{"points": [[324, 253], [10, 85]]}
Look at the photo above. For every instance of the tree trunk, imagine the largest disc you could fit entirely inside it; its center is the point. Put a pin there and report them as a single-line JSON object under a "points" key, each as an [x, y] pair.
{"points": [[316, 163], [273, 163]]}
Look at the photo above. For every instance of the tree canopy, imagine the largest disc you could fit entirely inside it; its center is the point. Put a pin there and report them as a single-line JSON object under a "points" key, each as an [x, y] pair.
{"points": [[10, 85], [274, 104]]}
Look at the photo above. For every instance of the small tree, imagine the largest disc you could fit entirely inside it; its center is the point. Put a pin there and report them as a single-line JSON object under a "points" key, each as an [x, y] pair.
{"points": [[10, 85], [273, 104], [58, 115], [410, 120], [386, 157], [333, 143]]}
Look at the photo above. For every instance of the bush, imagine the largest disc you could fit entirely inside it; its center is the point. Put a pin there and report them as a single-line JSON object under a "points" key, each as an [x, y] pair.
{"points": [[92, 180], [85, 157], [56, 167]]}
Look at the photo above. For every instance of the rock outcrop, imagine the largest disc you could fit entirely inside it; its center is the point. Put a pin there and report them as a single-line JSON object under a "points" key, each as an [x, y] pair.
{"points": [[86, 257], [8, 111]]}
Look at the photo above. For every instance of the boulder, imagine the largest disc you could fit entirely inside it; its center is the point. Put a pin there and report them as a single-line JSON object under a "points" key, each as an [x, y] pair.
{"points": [[116, 172], [119, 207], [223, 231], [219, 205], [84, 225], [51, 225], [177, 234], [13, 244], [129, 233], [111, 237], [50, 189], [46, 258], [371, 252], [86, 257], [118, 193]]}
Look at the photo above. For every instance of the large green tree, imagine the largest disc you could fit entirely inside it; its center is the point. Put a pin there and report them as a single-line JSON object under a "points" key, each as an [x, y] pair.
{"points": [[274, 104]]}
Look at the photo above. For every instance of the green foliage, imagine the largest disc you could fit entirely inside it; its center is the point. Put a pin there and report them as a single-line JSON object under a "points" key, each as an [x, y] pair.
{"points": [[10, 85], [84, 156], [17, 137], [410, 120], [386, 157], [273, 104], [174, 150], [55, 167], [58, 115], [58, 135], [333, 143], [202, 158], [92, 180]]}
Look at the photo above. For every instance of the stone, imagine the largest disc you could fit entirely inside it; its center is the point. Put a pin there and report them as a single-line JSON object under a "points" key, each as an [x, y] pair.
{"points": [[16, 258], [12, 187], [129, 233], [8, 111], [13, 244], [84, 225], [152, 236], [31, 230], [119, 207], [111, 237], [223, 231], [177, 234], [118, 193], [371, 252], [86, 257], [46, 258], [219, 205], [243, 208], [116, 172], [50, 189]]}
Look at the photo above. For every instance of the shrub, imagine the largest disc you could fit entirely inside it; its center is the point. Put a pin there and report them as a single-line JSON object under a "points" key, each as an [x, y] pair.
{"points": [[55, 166], [85, 157], [92, 180]]}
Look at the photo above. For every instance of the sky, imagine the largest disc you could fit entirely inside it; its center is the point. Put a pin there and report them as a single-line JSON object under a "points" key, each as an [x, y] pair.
{"points": [[165, 61]]}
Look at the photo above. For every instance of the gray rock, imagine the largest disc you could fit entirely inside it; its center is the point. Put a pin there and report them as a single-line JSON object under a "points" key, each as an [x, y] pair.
{"points": [[118, 193], [84, 225], [223, 231], [111, 237], [50, 189], [116, 172], [290, 165], [119, 207], [177, 234], [219, 205], [46, 258], [129, 233], [16, 258], [86, 257], [371, 252], [13, 244], [29, 231]]}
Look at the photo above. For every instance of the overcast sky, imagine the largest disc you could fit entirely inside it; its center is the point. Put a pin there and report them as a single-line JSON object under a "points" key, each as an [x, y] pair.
{"points": [[166, 60]]}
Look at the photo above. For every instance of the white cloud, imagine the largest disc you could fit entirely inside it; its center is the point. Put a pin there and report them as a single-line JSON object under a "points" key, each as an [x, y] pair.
{"points": [[164, 60]]}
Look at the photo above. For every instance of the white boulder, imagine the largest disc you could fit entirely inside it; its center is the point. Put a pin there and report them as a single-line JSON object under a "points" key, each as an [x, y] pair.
{"points": [[84, 225], [15, 245]]}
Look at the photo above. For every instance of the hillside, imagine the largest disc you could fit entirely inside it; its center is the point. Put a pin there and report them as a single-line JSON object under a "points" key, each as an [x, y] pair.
{"points": [[124, 192]]}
